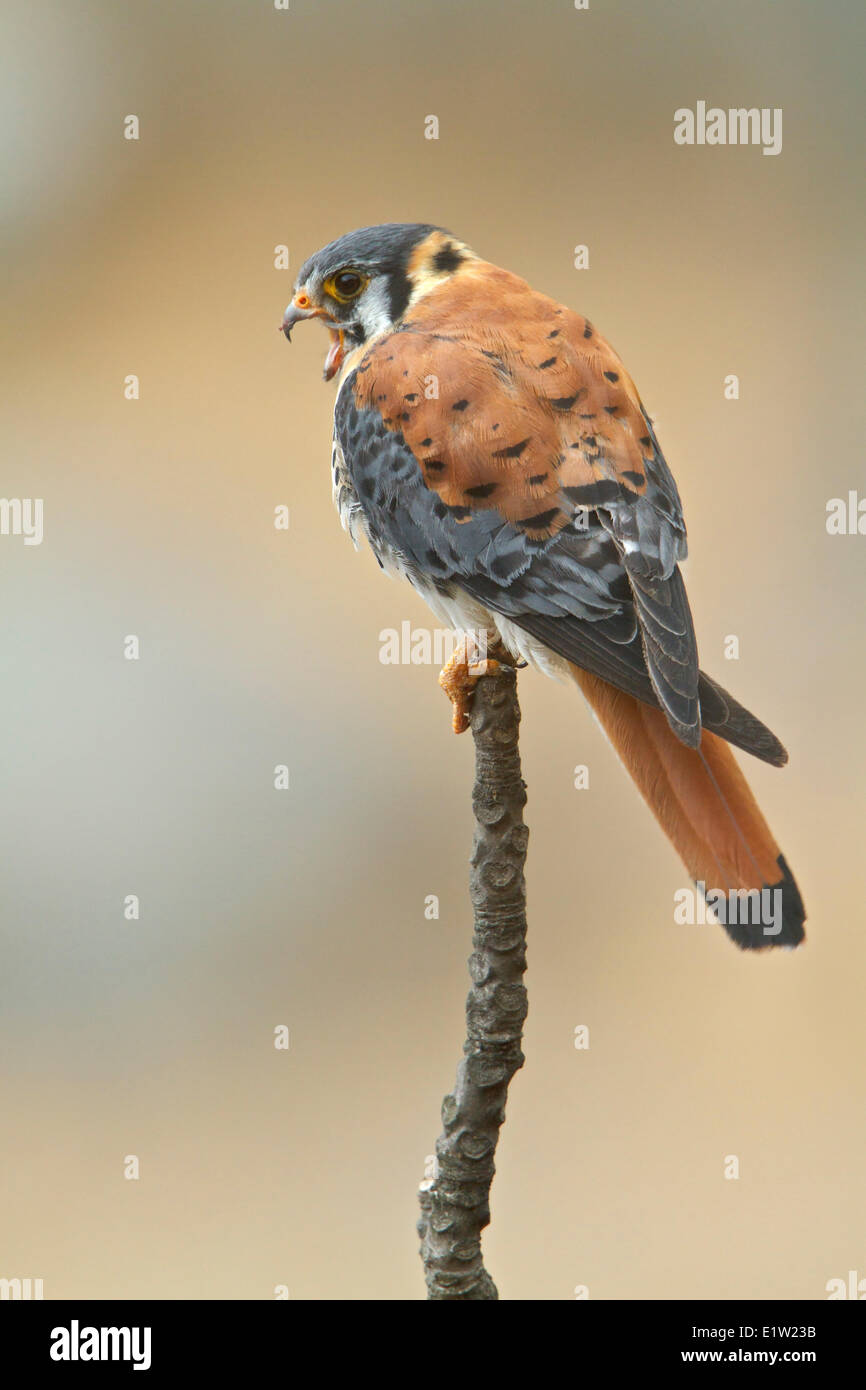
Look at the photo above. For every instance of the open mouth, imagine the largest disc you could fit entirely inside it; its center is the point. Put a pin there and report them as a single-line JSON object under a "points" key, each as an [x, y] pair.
{"points": [[336, 353], [300, 309]]}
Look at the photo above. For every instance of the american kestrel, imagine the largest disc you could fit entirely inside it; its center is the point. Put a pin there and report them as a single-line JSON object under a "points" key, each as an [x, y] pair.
{"points": [[492, 448]]}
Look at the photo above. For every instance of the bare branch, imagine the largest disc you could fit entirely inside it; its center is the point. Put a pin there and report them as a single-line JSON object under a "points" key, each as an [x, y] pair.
{"points": [[455, 1204]]}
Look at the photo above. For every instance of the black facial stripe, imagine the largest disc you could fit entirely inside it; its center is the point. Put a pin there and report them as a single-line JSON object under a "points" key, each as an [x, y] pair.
{"points": [[399, 290]]}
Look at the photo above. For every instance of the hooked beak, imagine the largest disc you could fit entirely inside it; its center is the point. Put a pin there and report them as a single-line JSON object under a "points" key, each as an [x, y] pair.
{"points": [[302, 307]]}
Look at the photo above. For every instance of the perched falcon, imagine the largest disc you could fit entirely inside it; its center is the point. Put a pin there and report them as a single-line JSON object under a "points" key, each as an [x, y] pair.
{"points": [[493, 449]]}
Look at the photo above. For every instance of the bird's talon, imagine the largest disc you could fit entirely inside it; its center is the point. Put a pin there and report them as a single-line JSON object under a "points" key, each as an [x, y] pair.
{"points": [[459, 677]]}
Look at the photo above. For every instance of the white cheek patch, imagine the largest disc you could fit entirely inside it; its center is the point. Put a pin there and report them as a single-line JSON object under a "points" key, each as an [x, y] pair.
{"points": [[373, 308]]}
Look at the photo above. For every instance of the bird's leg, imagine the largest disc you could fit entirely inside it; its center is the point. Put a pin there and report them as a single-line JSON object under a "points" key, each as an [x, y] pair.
{"points": [[464, 670]]}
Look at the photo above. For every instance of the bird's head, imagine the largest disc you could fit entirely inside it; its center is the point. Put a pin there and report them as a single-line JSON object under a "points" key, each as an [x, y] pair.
{"points": [[362, 284]]}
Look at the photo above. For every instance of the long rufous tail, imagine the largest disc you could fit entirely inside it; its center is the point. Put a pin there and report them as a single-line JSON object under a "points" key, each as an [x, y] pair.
{"points": [[705, 807]]}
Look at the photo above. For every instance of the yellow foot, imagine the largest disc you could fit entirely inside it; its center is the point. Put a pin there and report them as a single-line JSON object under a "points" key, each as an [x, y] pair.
{"points": [[459, 677]]}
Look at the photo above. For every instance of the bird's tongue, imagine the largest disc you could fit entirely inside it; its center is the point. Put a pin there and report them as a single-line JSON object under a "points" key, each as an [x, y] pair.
{"points": [[334, 359]]}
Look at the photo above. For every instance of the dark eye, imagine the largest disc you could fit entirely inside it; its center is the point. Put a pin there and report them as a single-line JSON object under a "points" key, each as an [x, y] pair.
{"points": [[347, 283]]}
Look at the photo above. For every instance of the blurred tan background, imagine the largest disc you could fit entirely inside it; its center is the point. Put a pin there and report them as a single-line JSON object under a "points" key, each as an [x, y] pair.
{"points": [[259, 647]]}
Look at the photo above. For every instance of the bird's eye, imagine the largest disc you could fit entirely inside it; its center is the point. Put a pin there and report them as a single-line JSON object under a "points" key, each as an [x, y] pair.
{"points": [[347, 283]]}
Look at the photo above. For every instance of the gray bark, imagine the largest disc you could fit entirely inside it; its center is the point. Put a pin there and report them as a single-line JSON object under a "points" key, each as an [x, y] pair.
{"points": [[455, 1203]]}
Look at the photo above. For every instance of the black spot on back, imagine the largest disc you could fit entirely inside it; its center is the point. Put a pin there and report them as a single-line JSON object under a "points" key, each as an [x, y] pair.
{"points": [[566, 402], [595, 494], [512, 452], [540, 521], [448, 258]]}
